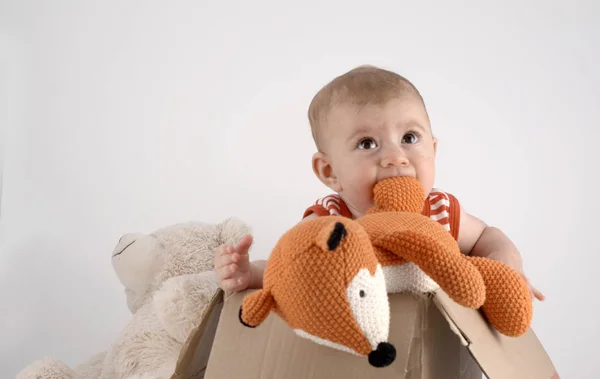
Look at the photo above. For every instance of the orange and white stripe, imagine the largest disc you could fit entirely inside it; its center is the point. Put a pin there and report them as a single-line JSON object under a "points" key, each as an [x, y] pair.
{"points": [[331, 203], [439, 208]]}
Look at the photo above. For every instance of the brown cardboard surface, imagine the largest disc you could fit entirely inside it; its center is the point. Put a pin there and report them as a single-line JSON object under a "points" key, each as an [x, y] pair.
{"points": [[434, 338], [499, 356], [193, 357], [426, 348]]}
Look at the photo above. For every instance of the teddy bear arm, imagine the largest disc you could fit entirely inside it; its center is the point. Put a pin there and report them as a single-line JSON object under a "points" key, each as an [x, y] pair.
{"points": [[92, 369], [47, 368], [181, 301]]}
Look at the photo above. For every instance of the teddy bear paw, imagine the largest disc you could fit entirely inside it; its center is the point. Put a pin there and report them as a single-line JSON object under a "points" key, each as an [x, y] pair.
{"points": [[181, 301], [47, 368]]}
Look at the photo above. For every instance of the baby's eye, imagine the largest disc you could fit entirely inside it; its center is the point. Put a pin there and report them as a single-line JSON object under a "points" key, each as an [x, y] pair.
{"points": [[410, 138], [366, 144]]}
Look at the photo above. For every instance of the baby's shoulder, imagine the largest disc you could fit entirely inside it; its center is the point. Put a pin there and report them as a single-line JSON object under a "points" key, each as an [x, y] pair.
{"points": [[441, 201], [443, 207], [438, 197], [328, 205]]}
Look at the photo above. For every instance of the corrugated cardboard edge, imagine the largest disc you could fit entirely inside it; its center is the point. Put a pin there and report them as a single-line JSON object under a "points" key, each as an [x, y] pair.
{"points": [[458, 354], [480, 339], [192, 343], [464, 340]]}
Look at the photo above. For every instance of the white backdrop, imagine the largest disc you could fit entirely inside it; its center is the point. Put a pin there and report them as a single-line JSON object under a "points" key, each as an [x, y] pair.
{"points": [[129, 116]]}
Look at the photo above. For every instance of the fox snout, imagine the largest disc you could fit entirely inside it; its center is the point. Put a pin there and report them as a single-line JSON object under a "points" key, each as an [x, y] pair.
{"points": [[368, 301], [383, 356]]}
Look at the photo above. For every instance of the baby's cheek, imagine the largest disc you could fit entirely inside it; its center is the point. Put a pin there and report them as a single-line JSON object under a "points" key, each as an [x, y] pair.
{"points": [[366, 196], [425, 156], [426, 181]]}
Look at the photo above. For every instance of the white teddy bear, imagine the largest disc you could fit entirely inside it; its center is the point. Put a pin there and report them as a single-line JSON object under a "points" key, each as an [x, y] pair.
{"points": [[169, 279]]}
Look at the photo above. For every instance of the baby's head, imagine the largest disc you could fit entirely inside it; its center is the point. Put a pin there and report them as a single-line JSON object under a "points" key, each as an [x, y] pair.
{"points": [[369, 124]]}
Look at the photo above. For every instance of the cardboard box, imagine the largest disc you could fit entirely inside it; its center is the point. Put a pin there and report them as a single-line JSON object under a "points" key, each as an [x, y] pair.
{"points": [[194, 355], [434, 338]]}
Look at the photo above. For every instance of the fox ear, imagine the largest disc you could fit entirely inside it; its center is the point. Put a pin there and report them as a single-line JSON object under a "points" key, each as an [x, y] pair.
{"points": [[256, 307], [331, 236]]}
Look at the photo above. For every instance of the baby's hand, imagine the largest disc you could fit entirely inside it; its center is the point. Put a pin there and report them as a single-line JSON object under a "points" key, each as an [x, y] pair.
{"points": [[232, 265], [534, 292]]}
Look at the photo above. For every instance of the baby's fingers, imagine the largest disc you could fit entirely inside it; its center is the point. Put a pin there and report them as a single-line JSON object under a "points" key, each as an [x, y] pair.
{"points": [[537, 294], [225, 257], [227, 271], [234, 284], [244, 244]]}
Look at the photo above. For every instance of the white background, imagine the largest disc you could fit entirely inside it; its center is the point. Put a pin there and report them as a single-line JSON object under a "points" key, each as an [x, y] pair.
{"points": [[128, 116]]}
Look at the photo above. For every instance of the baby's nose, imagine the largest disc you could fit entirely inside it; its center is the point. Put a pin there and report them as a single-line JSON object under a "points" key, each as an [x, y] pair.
{"points": [[394, 158]]}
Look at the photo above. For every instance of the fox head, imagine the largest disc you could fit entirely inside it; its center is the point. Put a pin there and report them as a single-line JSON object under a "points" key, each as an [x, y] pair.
{"points": [[323, 279]]}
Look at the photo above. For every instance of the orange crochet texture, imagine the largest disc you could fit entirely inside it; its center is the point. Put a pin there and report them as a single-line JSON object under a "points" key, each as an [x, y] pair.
{"points": [[328, 278], [323, 279], [400, 234]]}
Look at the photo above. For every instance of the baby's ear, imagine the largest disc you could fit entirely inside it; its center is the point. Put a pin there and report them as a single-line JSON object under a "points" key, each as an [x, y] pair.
{"points": [[332, 235], [256, 307], [323, 170]]}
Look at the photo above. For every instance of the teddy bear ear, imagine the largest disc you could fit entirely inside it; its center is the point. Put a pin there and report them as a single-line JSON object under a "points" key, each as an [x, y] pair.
{"points": [[232, 230]]}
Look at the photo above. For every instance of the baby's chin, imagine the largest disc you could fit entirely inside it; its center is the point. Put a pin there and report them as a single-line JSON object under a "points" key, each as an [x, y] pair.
{"points": [[363, 209], [358, 207]]}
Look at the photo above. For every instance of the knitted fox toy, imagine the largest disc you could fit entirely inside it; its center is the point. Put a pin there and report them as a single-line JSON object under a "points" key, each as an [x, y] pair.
{"points": [[323, 279], [328, 278], [414, 249]]}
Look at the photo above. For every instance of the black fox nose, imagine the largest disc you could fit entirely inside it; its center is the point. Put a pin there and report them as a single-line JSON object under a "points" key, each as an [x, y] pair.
{"points": [[383, 356]]}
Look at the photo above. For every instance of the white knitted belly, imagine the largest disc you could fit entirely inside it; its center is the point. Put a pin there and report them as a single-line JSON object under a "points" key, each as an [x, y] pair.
{"points": [[408, 277]]}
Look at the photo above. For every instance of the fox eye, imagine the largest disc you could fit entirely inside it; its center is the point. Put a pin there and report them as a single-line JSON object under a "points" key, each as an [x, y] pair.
{"points": [[366, 144], [362, 293]]}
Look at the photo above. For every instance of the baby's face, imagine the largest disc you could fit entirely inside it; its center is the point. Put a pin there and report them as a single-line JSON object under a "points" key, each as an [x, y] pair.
{"points": [[369, 144]]}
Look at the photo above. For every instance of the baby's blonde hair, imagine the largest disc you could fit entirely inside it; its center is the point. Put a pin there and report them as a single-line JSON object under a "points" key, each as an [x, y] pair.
{"points": [[363, 85]]}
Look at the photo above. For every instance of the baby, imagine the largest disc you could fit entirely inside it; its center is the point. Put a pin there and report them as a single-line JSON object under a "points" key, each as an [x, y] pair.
{"points": [[369, 124]]}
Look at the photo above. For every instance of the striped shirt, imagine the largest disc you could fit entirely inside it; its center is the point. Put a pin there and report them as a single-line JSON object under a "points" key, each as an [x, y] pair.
{"points": [[440, 206]]}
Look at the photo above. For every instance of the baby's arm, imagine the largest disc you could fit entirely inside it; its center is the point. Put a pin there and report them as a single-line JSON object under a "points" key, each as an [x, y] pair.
{"points": [[476, 238]]}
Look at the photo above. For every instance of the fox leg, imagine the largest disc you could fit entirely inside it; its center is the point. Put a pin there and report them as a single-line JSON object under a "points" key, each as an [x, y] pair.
{"points": [[508, 304], [256, 307], [444, 263]]}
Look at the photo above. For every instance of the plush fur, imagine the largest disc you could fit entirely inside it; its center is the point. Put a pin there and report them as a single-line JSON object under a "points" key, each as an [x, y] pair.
{"points": [[169, 279]]}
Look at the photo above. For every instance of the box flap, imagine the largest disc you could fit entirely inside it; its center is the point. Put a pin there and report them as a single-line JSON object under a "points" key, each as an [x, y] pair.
{"points": [[445, 355], [195, 352], [499, 356]]}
